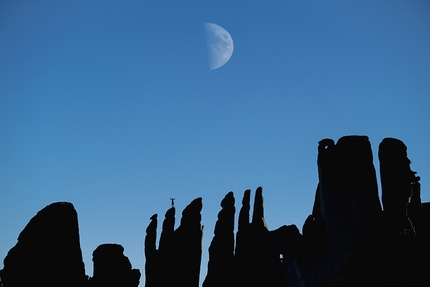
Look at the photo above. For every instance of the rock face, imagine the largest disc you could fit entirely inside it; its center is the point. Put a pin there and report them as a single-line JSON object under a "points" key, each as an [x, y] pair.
{"points": [[112, 268], [257, 255], [48, 251], [348, 240], [256, 258], [187, 246], [159, 261], [178, 259], [221, 250], [400, 188], [406, 219], [151, 254], [347, 212]]}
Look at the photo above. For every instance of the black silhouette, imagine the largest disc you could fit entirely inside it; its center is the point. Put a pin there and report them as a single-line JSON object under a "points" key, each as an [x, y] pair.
{"points": [[257, 256], [48, 251], [400, 188], [346, 217], [151, 254], [221, 250], [173, 201], [158, 262], [112, 268], [178, 258], [348, 240]]}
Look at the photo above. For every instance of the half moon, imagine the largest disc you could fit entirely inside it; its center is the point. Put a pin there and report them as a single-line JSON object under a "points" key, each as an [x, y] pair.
{"points": [[219, 45]]}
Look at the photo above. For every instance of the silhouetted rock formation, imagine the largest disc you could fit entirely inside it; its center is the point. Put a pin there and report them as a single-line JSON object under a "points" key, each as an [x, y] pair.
{"points": [[347, 212], [345, 240], [166, 249], [221, 250], [159, 262], [151, 254], [403, 215], [48, 251], [243, 225], [258, 250], [112, 268], [262, 257], [187, 246], [180, 250], [400, 188], [348, 240]]}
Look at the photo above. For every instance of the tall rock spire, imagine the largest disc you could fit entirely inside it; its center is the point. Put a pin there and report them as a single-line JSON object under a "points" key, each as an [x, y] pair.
{"points": [[167, 230], [187, 247], [221, 250], [258, 212], [244, 210], [151, 254], [166, 249], [400, 188], [349, 206]]}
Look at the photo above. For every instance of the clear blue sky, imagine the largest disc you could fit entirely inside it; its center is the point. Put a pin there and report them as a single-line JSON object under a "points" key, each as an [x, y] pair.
{"points": [[111, 105]]}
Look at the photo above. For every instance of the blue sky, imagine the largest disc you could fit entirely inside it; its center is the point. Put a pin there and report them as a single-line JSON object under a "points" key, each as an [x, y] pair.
{"points": [[111, 105]]}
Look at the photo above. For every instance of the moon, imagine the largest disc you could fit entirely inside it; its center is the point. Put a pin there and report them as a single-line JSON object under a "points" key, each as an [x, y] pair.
{"points": [[219, 45]]}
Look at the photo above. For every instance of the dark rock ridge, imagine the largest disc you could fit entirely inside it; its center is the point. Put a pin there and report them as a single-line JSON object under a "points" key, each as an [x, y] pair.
{"points": [[178, 258], [400, 188], [221, 250], [258, 250], [151, 254], [112, 268], [346, 217], [48, 251], [349, 239]]}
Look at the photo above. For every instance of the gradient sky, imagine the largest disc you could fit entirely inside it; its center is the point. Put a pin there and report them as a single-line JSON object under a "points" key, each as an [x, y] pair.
{"points": [[111, 105]]}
